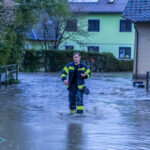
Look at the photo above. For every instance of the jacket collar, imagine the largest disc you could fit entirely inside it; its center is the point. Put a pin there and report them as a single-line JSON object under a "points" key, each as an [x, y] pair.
{"points": [[74, 63]]}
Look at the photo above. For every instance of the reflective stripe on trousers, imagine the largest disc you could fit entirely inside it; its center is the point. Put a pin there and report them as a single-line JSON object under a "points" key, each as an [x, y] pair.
{"points": [[75, 98]]}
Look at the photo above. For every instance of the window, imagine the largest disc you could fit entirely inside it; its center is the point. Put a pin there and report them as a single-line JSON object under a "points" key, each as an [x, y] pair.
{"points": [[71, 25], [69, 47], [125, 52], [93, 25], [93, 49], [125, 26]]}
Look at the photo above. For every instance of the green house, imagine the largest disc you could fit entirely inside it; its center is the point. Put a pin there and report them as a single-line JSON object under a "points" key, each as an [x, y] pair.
{"points": [[107, 30]]}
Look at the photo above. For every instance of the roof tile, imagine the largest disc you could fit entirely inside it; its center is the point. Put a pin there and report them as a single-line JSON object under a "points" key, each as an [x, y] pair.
{"points": [[137, 11], [102, 6]]}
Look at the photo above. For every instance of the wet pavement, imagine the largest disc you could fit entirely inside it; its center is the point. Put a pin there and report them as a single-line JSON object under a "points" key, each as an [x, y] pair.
{"points": [[34, 115]]}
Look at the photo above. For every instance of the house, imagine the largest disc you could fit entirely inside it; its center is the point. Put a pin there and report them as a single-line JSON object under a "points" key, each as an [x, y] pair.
{"points": [[42, 34], [107, 30], [138, 11], [37, 39]]}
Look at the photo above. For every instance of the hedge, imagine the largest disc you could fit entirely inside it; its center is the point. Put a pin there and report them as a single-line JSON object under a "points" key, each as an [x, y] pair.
{"points": [[55, 60]]}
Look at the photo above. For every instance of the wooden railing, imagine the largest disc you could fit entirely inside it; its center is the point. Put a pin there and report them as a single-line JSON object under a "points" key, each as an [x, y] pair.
{"points": [[8, 73]]}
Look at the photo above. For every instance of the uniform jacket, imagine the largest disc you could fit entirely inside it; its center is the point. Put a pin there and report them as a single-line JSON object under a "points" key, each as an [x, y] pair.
{"points": [[69, 70]]}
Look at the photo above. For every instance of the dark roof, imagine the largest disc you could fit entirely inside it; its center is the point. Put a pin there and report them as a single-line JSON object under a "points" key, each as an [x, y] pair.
{"points": [[102, 6], [37, 33], [137, 11]]}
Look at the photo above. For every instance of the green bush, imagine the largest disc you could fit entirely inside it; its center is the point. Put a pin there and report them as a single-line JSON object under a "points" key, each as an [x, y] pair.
{"points": [[32, 60], [55, 60]]}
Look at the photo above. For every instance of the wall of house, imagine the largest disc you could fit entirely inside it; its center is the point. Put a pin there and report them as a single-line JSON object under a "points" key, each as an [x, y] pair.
{"points": [[109, 39], [142, 60], [34, 45]]}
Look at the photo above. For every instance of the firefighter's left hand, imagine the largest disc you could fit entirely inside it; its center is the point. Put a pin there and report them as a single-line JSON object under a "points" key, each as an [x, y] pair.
{"points": [[83, 75]]}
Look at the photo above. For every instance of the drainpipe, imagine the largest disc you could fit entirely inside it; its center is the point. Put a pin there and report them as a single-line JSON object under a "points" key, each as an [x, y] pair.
{"points": [[137, 51]]}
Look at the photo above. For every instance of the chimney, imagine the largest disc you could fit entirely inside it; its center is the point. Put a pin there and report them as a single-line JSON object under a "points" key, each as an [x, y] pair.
{"points": [[110, 1]]}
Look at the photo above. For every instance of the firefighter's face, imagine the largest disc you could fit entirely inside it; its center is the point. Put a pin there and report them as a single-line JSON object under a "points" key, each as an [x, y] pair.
{"points": [[76, 58]]}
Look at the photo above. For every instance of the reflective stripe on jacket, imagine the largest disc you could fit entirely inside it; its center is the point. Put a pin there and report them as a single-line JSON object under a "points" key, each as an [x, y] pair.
{"points": [[69, 70]]}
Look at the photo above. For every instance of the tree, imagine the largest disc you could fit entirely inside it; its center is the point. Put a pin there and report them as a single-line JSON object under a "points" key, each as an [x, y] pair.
{"points": [[6, 14], [58, 24], [7, 18], [16, 16]]}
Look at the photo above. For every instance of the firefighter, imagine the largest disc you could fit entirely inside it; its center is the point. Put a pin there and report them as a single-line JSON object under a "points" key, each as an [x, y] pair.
{"points": [[77, 71]]}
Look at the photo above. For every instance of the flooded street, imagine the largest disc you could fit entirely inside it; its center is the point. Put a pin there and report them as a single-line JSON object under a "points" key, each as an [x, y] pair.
{"points": [[34, 115]]}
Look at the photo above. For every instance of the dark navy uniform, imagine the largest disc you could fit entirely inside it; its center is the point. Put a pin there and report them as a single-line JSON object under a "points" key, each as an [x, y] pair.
{"points": [[76, 84]]}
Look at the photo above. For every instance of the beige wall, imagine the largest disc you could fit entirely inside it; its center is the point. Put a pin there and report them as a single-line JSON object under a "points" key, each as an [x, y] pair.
{"points": [[142, 49]]}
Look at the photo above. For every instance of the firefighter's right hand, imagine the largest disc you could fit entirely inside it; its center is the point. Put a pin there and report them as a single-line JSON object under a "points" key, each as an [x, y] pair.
{"points": [[66, 82]]}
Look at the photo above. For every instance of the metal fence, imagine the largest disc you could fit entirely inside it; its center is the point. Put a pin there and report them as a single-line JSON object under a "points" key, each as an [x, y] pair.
{"points": [[8, 73]]}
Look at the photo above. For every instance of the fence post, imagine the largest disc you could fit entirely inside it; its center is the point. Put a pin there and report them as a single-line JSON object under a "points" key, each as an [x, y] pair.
{"points": [[147, 81], [0, 77], [11, 73], [17, 70], [6, 76]]}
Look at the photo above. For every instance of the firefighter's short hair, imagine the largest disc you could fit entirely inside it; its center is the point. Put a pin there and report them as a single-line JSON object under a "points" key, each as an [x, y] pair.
{"points": [[77, 53]]}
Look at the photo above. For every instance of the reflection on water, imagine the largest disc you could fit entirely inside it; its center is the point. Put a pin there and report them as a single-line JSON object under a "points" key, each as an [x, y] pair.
{"points": [[34, 115], [74, 137]]}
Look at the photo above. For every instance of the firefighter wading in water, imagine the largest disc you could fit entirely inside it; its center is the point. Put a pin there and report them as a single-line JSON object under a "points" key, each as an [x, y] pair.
{"points": [[77, 71]]}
